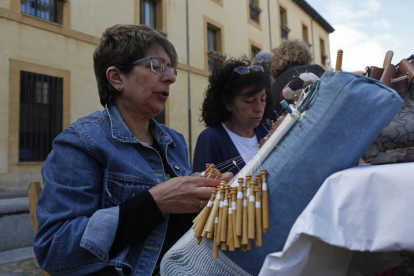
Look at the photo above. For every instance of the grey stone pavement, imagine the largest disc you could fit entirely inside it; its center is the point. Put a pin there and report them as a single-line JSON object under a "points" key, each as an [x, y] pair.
{"points": [[18, 262]]}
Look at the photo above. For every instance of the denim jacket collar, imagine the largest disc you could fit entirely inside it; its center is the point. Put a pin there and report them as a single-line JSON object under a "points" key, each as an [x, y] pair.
{"points": [[121, 132]]}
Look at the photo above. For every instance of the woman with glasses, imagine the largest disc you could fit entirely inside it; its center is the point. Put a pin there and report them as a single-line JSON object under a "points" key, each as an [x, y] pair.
{"points": [[118, 190], [235, 106]]}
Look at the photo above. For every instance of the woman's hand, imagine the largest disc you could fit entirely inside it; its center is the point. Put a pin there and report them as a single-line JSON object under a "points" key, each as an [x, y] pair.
{"points": [[185, 194]]}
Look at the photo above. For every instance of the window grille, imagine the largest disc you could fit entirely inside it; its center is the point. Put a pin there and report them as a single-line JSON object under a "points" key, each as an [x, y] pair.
{"points": [[41, 115], [254, 10], [323, 54], [212, 49], [148, 13], [284, 29], [50, 10]]}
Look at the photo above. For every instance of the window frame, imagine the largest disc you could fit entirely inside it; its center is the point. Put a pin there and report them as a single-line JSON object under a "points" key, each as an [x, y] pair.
{"points": [[251, 21], [252, 45], [323, 55], [283, 22], [218, 2], [305, 33], [219, 28], [160, 24], [160, 14], [15, 6], [14, 109], [142, 15]]}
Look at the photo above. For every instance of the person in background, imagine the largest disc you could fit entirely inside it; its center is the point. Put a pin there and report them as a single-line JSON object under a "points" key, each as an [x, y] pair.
{"points": [[118, 190], [235, 106], [264, 59], [292, 58]]}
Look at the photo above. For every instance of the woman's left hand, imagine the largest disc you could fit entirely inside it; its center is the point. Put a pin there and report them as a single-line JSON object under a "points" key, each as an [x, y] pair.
{"points": [[187, 194]]}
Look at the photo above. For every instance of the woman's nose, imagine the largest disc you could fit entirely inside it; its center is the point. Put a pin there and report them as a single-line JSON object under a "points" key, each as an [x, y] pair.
{"points": [[169, 76]]}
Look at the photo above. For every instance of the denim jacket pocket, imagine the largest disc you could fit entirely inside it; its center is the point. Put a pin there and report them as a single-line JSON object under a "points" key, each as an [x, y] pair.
{"points": [[120, 187]]}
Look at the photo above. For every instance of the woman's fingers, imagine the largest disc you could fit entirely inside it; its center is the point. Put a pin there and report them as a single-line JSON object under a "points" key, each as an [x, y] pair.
{"points": [[227, 176]]}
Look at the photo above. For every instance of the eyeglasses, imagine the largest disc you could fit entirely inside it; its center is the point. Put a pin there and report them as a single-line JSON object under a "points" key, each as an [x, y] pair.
{"points": [[157, 65], [243, 70]]}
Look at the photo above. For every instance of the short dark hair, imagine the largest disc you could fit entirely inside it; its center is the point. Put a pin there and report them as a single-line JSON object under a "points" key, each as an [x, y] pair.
{"points": [[121, 45], [224, 86]]}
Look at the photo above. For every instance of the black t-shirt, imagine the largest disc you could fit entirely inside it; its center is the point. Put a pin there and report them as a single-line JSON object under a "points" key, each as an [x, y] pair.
{"points": [[135, 224]]}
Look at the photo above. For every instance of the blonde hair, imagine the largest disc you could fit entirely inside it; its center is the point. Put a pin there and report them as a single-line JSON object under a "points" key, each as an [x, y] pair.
{"points": [[290, 53]]}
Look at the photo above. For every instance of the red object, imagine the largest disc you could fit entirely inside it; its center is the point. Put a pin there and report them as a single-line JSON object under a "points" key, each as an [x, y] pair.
{"points": [[389, 272]]}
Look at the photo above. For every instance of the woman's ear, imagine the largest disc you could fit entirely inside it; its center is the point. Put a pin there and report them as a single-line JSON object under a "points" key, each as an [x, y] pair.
{"points": [[114, 77], [228, 107]]}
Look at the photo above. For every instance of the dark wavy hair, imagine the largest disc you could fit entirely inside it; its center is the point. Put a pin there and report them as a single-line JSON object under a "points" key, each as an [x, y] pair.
{"points": [[121, 45], [224, 85]]}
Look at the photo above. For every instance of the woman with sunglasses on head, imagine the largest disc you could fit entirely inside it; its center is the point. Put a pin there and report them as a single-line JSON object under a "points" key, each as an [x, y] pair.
{"points": [[108, 206], [235, 106]]}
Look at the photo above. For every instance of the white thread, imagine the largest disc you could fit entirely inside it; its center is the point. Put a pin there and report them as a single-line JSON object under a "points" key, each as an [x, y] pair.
{"points": [[239, 194], [258, 204], [233, 205], [210, 203], [226, 202], [216, 220], [264, 186], [221, 204], [244, 202], [252, 198]]}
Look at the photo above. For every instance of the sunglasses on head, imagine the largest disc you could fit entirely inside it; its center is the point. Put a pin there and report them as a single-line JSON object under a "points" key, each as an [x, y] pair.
{"points": [[242, 70]]}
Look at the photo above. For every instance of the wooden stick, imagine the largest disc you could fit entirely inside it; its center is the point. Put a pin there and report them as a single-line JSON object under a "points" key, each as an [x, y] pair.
{"points": [[234, 212], [258, 238], [239, 208], [265, 201], [206, 213], [251, 210], [223, 233], [245, 238], [213, 212], [220, 216], [339, 55], [215, 246], [230, 232]]}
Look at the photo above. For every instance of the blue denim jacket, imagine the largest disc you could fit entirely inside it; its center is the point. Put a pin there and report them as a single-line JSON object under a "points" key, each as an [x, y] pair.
{"points": [[96, 164]]}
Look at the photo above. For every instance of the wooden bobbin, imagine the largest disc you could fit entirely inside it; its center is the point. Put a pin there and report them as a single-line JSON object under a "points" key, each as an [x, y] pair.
{"points": [[265, 201], [339, 55], [258, 236], [244, 236], [230, 231], [214, 210], [234, 212], [239, 208], [224, 214], [251, 211], [206, 213]]}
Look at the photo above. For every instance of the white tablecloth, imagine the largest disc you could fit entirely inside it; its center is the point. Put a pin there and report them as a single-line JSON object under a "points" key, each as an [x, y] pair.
{"points": [[363, 209]]}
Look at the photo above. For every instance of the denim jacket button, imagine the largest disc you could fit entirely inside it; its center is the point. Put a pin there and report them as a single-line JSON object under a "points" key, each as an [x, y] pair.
{"points": [[176, 167]]}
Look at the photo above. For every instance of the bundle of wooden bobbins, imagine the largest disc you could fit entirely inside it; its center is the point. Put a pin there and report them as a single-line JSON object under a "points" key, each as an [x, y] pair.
{"points": [[235, 216]]}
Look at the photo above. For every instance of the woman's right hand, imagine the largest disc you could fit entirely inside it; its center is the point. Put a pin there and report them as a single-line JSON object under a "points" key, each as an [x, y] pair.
{"points": [[185, 194]]}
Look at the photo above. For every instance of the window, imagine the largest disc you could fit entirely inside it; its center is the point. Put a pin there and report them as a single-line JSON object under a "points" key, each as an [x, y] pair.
{"points": [[213, 44], [254, 10], [39, 110], [215, 57], [41, 115], [284, 29], [305, 33], [255, 50], [50, 10], [323, 53], [148, 13]]}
